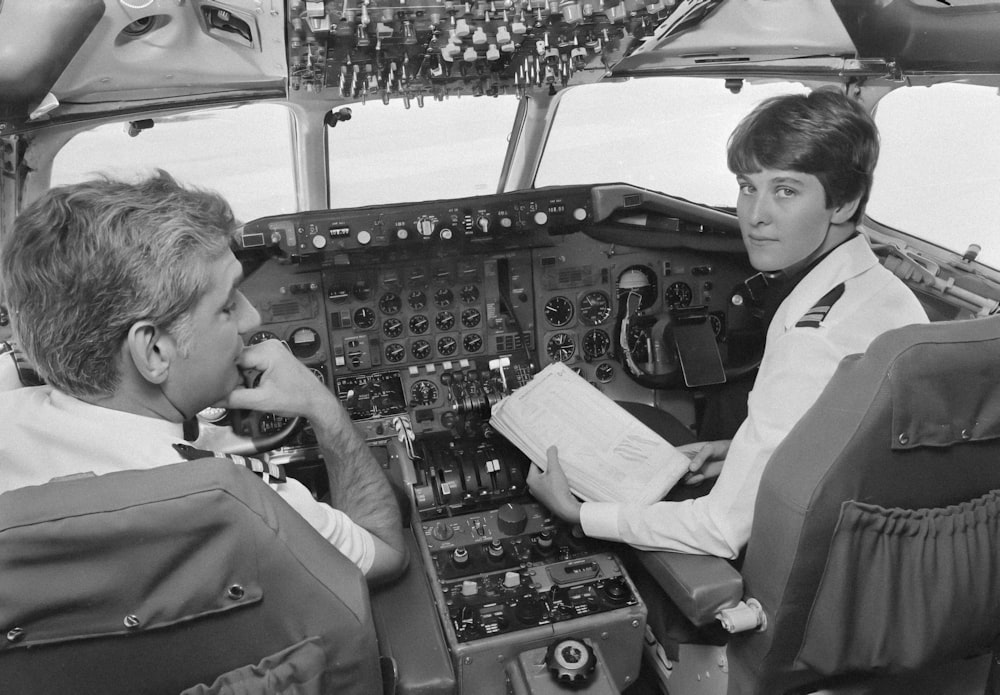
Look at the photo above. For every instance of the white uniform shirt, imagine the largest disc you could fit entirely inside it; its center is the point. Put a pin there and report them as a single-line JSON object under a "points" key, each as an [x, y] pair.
{"points": [[797, 364], [46, 434]]}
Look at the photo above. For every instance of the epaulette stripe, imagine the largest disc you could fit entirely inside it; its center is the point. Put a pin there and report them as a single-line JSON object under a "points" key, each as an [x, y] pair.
{"points": [[814, 317], [271, 473]]}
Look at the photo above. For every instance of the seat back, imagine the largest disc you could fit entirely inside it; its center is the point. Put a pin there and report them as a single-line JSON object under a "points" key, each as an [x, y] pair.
{"points": [[194, 578], [875, 549]]}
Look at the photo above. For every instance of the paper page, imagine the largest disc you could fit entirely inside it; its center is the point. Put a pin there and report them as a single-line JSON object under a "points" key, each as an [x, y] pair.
{"points": [[607, 454]]}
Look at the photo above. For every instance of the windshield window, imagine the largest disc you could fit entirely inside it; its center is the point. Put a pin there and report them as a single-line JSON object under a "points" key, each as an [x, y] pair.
{"points": [[447, 149], [206, 149], [666, 134], [938, 176]]}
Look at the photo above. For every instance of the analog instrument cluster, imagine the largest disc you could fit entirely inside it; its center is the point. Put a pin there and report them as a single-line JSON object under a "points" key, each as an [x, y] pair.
{"points": [[438, 327]]}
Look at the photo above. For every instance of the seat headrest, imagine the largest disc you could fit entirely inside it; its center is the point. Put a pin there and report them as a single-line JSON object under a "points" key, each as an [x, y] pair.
{"points": [[945, 386]]}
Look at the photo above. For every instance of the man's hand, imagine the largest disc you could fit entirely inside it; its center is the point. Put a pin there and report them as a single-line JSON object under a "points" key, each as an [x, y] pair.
{"points": [[285, 385], [551, 488], [707, 459], [358, 486]]}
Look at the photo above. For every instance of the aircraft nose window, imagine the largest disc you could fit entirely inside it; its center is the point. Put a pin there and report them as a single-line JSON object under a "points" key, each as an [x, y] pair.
{"points": [[204, 148], [667, 135], [939, 168]]}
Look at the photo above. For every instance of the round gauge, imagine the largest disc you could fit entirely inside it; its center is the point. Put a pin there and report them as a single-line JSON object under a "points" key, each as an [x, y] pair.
{"points": [[717, 324], [472, 342], [417, 278], [338, 294], [558, 311], [640, 280], [604, 373], [443, 276], [261, 336], [417, 299], [421, 349], [390, 303], [447, 346], [444, 321], [471, 318], [419, 324], [637, 340], [362, 291], [595, 308], [596, 343], [443, 297], [364, 317], [678, 295], [304, 342], [561, 347], [423, 392], [394, 352], [393, 328], [469, 294]]}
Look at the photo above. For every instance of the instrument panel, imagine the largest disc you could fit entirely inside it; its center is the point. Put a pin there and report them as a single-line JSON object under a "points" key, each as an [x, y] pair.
{"points": [[433, 311]]}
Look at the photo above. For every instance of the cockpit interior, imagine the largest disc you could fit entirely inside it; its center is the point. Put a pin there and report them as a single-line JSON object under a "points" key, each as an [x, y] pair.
{"points": [[434, 218]]}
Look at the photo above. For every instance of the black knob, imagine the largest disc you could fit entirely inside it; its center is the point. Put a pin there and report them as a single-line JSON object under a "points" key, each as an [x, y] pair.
{"points": [[512, 519]]}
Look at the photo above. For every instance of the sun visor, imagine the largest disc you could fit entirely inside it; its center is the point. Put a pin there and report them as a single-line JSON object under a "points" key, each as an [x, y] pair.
{"points": [[705, 32], [38, 39]]}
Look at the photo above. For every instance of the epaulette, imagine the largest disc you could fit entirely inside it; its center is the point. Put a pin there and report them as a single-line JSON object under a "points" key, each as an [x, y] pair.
{"points": [[815, 316], [271, 473]]}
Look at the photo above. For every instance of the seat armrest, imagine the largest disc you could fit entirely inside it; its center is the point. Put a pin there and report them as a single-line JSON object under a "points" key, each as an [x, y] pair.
{"points": [[699, 585]]}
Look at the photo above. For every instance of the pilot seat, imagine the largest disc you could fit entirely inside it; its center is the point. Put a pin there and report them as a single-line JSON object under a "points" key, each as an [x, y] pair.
{"points": [[874, 558], [192, 578]]}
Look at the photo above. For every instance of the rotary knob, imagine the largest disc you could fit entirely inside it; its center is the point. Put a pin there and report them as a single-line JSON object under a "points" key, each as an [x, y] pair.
{"points": [[570, 661], [512, 519]]}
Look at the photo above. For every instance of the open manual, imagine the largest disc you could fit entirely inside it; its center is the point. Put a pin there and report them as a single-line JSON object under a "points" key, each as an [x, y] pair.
{"points": [[607, 454]]}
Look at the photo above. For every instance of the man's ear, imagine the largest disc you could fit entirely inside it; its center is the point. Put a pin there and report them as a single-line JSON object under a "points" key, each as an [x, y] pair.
{"points": [[844, 212], [151, 349]]}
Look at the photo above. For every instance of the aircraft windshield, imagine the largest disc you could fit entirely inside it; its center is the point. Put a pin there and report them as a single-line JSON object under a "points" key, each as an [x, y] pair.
{"points": [[666, 134]]}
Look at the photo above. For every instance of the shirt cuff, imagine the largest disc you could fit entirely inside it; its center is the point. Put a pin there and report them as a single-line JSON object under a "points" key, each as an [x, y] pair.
{"points": [[600, 520]]}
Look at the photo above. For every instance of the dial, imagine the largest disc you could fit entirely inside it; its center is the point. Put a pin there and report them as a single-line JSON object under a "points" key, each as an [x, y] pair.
{"points": [[417, 299], [558, 311], [423, 392], [596, 343], [604, 373], [469, 294], [471, 318], [717, 319], [421, 349], [595, 308], [444, 320], [447, 345], [261, 336], [419, 324], [472, 342], [678, 295], [394, 352], [390, 303], [638, 280], [443, 297], [362, 291], [364, 317], [561, 347], [393, 328], [304, 342]]}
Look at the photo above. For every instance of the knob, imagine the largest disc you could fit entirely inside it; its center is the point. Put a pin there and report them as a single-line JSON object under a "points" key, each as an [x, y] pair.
{"points": [[319, 241], [541, 217], [442, 531], [511, 580], [402, 234], [495, 550], [512, 519], [364, 237], [460, 556], [570, 661]]}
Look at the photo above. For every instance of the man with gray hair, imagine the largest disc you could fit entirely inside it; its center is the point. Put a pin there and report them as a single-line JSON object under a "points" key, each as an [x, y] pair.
{"points": [[125, 297]]}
